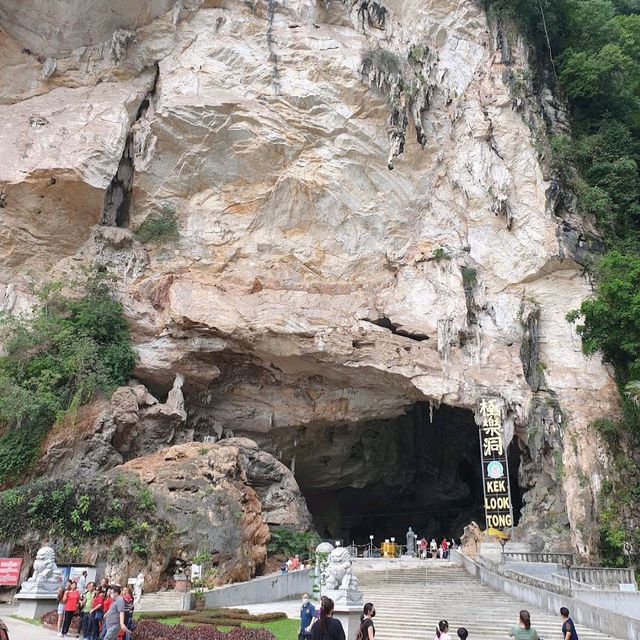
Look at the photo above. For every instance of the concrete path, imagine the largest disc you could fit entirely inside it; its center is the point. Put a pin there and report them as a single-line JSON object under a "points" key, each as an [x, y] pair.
{"points": [[19, 630]]}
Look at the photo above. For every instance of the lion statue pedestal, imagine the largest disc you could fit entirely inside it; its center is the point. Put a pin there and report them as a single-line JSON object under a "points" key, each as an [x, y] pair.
{"points": [[341, 585], [38, 594]]}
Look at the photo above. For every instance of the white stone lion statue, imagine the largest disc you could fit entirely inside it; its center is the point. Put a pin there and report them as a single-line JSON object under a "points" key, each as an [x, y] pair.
{"points": [[46, 574], [338, 573]]}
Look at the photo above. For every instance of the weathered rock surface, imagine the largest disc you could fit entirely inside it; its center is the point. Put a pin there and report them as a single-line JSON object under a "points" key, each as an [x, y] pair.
{"points": [[311, 285], [220, 499], [105, 434]]}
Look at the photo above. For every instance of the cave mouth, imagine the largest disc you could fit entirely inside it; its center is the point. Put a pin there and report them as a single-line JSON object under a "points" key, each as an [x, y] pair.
{"points": [[421, 470]]}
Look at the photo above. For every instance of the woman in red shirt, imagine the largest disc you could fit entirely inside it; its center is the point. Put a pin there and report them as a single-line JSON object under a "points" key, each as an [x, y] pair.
{"points": [[70, 600], [96, 615]]}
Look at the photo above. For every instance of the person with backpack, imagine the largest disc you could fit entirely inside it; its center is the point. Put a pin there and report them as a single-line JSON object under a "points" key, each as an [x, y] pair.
{"points": [[367, 631], [327, 628]]}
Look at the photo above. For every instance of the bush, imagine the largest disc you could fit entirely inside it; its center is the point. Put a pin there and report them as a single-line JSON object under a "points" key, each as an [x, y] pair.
{"points": [[288, 542], [77, 509], [152, 630], [70, 349], [159, 228]]}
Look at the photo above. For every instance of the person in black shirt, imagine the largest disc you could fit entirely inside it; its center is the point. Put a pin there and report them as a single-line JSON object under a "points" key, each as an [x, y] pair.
{"points": [[367, 630], [327, 628], [568, 628]]}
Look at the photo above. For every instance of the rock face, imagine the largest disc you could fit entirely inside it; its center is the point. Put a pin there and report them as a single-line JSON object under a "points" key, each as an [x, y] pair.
{"points": [[311, 286], [220, 499]]}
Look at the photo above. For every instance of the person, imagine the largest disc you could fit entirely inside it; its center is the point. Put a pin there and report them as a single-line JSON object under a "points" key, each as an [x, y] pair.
{"points": [[284, 568], [444, 545], [568, 627], [423, 548], [442, 631], [96, 613], [307, 614], [524, 630], [106, 605], [367, 631], [463, 634], [71, 601], [127, 596], [87, 605], [114, 618], [60, 595], [433, 547], [295, 563], [138, 588], [327, 628], [82, 583]]}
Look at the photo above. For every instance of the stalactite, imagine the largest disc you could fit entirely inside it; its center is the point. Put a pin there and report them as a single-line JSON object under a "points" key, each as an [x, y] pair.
{"points": [[407, 83]]}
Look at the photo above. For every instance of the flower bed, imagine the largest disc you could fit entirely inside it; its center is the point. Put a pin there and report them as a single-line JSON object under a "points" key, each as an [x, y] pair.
{"points": [[50, 621], [152, 630]]}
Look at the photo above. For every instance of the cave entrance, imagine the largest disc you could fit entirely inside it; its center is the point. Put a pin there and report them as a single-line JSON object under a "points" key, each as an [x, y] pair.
{"points": [[421, 469]]}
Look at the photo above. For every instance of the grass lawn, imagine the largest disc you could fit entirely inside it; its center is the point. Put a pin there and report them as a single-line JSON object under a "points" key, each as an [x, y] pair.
{"points": [[37, 622], [285, 629]]}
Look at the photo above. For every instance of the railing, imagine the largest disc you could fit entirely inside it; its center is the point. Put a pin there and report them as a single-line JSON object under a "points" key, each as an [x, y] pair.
{"points": [[552, 558], [601, 576]]}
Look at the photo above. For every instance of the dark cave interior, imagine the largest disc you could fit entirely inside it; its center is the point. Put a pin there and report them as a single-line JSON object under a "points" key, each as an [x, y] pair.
{"points": [[421, 469]]}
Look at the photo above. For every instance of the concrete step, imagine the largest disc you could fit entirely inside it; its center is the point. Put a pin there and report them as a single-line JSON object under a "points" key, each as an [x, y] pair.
{"points": [[410, 601]]}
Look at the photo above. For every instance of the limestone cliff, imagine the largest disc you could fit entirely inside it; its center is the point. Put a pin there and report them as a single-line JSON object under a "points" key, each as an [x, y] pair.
{"points": [[310, 285]]}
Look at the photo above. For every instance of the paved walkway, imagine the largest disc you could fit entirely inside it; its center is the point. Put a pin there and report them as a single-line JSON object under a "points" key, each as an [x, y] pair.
{"points": [[19, 630]]}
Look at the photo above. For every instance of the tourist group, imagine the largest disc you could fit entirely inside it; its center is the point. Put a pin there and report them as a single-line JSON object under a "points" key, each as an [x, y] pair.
{"points": [[105, 611], [321, 625]]}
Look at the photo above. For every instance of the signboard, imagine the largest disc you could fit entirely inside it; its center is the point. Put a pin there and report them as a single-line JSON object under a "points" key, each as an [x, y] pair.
{"points": [[10, 571], [495, 468]]}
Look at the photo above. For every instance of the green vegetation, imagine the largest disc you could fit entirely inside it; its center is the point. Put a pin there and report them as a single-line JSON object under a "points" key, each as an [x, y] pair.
{"points": [[440, 254], [71, 348], [159, 228], [469, 278], [385, 63], [591, 50], [288, 542], [225, 619], [80, 509]]}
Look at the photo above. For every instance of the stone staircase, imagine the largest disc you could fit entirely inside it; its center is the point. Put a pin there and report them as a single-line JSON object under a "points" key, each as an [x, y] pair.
{"points": [[162, 601], [411, 600]]}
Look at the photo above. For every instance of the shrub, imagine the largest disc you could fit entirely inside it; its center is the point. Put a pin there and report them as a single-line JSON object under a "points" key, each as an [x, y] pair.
{"points": [[440, 254], [152, 630], [70, 349], [76, 510], [469, 278], [384, 62], [159, 228], [288, 542]]}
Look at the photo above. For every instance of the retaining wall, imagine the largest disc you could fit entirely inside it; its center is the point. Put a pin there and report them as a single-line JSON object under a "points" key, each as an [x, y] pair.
{"points": [[261, 590]]}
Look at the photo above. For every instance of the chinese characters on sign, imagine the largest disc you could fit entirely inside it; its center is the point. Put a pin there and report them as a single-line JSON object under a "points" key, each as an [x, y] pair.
{"points": [[10, 571], [495, 471]]}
